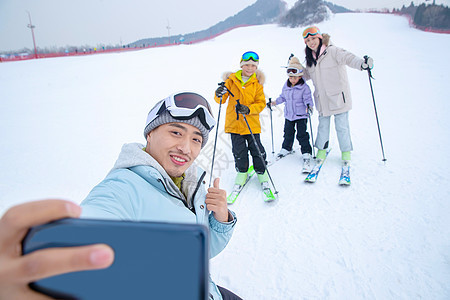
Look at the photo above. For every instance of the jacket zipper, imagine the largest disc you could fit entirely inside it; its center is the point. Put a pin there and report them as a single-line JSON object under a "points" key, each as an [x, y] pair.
{"points": [[175, 196], [196, 190], [193, 195], [343, 96]]}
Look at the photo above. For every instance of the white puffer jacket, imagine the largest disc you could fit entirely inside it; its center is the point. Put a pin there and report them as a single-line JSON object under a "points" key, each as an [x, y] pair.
{"points": [[332, 90]]}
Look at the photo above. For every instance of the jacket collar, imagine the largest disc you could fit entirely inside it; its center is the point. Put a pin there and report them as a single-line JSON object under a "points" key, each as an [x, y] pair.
{"points": [[238, 75], [258, 74]]}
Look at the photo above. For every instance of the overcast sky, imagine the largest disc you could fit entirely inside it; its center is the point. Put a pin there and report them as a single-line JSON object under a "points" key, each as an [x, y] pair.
{"points": [[115, 22]]}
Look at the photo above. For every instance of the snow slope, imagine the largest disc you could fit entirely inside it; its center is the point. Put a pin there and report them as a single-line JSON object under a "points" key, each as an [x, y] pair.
{"points": [[63, 122]]}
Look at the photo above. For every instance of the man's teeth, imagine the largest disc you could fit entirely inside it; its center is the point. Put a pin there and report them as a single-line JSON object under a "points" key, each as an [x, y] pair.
{"points": [[179, 159]]}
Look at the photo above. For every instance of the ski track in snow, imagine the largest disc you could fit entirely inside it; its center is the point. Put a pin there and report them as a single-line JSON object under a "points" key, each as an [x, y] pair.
{"points": [[384, 237]]}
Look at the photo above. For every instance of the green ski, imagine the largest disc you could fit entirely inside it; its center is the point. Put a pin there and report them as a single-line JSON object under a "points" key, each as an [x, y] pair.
{"points": [[268, 195], [238, 188]]}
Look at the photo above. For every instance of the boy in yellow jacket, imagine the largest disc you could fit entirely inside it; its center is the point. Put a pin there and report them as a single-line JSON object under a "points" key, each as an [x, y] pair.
{"points": [[245, 85]]}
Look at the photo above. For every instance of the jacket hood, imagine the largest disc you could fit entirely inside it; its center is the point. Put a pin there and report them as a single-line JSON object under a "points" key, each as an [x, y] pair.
{"points": [[133, 155], [259, 75]]}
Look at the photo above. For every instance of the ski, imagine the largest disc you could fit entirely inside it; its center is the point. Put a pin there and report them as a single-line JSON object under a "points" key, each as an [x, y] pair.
{"points": [[268, 195], [306, 168], [344, 179], [312, 176], [238, 188], [278, 157]]}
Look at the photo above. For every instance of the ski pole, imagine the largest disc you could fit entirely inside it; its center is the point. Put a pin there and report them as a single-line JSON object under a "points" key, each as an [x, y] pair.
{"points": [[215, 139], [374, 106], [312, 135], [257, 148], [269, 105]]}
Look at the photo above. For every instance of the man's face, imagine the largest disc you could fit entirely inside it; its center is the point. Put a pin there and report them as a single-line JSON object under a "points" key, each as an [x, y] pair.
{"points": [[174, 146]]}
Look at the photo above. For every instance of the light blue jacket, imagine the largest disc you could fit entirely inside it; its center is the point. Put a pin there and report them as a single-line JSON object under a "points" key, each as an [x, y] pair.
{"points": [[139, 189], [295, 99]]}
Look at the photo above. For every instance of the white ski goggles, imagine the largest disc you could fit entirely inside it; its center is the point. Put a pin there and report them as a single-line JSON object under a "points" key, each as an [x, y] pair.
{"points": [[184, 106], [294, 71]]}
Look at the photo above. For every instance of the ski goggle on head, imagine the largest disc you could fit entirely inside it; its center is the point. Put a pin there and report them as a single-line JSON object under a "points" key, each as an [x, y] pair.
{"points": [[313, 31], [294, 71], [250, 55], [184, 106]]}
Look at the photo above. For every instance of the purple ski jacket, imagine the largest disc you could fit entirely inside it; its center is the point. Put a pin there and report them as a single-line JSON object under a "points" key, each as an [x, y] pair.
{"points": [[295, 99]]}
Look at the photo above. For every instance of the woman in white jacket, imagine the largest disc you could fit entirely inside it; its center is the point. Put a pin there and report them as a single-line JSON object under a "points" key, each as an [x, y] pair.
{"points": [[326, 67]]}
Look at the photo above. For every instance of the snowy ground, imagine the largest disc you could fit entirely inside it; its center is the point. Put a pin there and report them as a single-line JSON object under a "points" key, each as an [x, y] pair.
{"points": [[63, 121]]}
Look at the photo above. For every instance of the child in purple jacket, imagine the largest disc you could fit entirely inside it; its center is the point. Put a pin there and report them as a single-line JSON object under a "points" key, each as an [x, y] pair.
{"points": [[298, 103]]}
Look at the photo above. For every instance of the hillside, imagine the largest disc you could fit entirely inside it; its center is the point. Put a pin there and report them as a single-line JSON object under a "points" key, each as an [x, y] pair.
{"points": [[261, 12], [386, 236]]}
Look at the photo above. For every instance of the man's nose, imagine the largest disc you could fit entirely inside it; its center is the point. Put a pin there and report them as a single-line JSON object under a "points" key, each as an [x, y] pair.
{"points": [[184, 146]]}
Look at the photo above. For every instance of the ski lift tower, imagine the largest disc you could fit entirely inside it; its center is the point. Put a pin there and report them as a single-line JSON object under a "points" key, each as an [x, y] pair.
{"points": [[168, 30], [31, 26]]}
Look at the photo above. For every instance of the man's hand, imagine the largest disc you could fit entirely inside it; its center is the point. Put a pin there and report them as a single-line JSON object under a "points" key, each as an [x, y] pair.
{"points": [[17, 270], [216, 201]]}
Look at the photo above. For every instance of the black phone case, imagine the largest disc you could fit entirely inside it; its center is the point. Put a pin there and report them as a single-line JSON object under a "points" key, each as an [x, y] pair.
{"points": [[152, 260]]}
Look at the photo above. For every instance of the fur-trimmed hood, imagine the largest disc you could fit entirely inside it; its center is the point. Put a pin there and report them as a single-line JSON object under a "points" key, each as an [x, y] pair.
{"points": [[259, 75], [326, 39]]}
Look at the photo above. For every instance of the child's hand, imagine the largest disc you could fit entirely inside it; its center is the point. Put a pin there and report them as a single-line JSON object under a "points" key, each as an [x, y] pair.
{"points": [[309, 110], [242, 109], [221, 90]]}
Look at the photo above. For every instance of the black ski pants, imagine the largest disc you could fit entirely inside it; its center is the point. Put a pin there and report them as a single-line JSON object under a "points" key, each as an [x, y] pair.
{"points": [[241, 144], [302, 135]]}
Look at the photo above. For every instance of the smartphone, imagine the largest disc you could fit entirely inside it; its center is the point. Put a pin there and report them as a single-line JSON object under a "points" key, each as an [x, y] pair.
{"points": [[153, 260]]}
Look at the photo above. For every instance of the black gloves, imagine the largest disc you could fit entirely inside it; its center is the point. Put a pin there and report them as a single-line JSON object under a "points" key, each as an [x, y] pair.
{"points": [[221, 90], [242, 109]]}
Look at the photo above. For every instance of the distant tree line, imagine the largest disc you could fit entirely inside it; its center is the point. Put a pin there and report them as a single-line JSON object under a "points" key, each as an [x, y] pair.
{"points": [[66, 49], [431, 15]]}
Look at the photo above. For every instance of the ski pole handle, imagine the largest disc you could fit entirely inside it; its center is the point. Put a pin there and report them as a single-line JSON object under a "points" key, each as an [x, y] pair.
{"points": [[269, 104], [223, 84], [366, 59]]}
